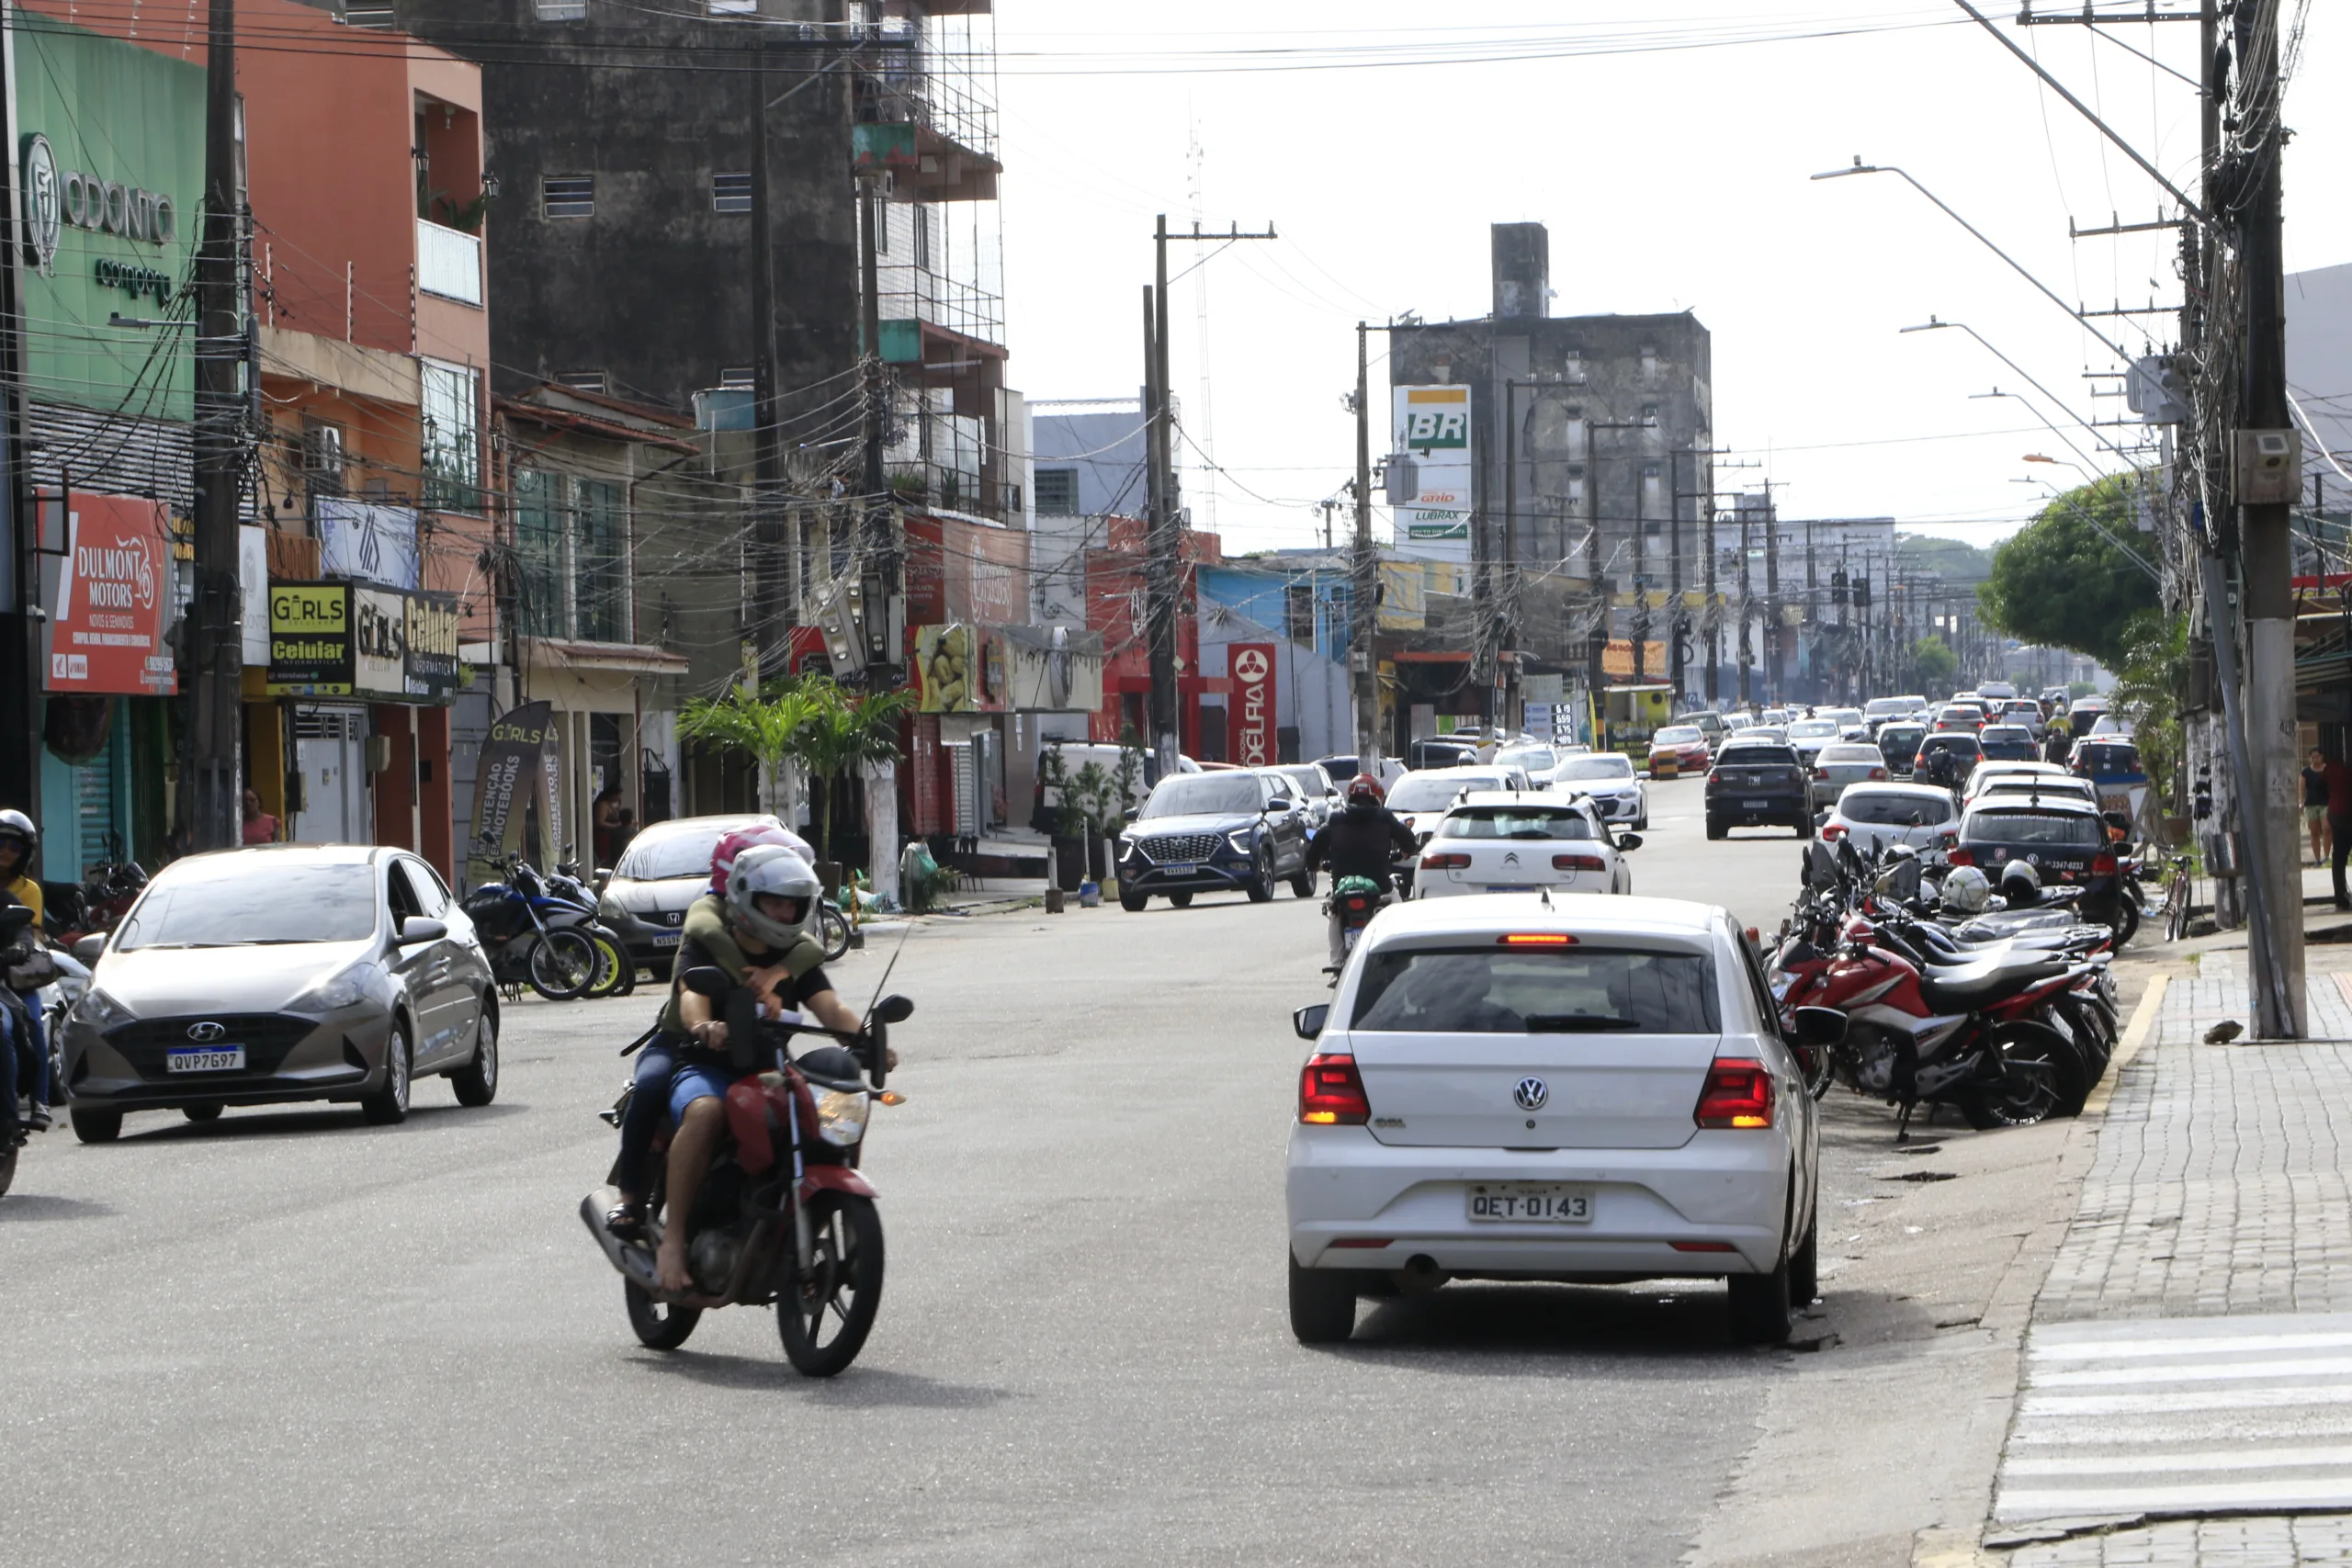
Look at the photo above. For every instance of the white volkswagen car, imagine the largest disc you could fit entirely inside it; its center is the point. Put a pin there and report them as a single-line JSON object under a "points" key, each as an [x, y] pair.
{"points": [[1497, 841], [1594, 1093]]}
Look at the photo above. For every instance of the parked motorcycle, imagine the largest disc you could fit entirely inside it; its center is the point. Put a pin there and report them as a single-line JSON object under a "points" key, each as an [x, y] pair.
{"points": [[532, 936], [616, 973], [783, 1214]]}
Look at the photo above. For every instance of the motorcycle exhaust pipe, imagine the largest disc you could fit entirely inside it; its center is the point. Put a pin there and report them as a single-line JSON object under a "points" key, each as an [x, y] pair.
{"points": [[633, 1263]]}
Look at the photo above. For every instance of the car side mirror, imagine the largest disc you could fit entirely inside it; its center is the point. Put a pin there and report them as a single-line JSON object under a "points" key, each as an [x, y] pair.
{"points": [[1820, 1026], [416, 928], [1629, 840], [90, 946], [709, 980], [893, 1009], [1309, 1020]]}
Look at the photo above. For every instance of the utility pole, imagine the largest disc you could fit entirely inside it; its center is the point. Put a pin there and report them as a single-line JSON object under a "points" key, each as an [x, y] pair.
{"points": [[216, 634], [1364, 587], [773, 602], [1772, 673], [20, 665], [2266, 797]]}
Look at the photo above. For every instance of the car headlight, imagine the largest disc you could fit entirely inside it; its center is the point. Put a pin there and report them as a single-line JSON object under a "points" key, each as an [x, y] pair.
{"points": [[347, 987], [841, 1116], [1242, 839], [100, 1011]]}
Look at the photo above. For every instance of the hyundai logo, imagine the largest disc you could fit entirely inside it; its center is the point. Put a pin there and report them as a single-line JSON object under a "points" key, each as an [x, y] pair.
{"points": [[205, 1033], [1532, 1094]]}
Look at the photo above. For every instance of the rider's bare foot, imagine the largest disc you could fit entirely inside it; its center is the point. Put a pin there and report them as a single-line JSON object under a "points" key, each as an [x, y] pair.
{"points": [[669, 1269]]}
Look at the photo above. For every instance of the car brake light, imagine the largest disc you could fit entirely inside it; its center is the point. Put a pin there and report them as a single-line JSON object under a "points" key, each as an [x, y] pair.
{"points": [[1833, 832], [1578, 863], [1738, 1094], [1536, 939], [1961, 857], [2102, 865], [1445, 863], [1821, 773], [1878, 773], [1330, 1092]]}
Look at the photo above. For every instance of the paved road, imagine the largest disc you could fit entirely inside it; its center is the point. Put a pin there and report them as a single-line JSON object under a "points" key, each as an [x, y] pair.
{"points": [[291, 1337]]}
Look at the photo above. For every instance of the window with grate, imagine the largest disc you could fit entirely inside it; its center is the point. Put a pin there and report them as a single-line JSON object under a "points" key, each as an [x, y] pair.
{"points": [[1298, 612], [562, 10], [600, 562], [568, 195], [323, 472], [571, 543], [452, 395], [368, 16], [1057, 492], [731, 193], [738, 377], [585, 380], [922, 235]]}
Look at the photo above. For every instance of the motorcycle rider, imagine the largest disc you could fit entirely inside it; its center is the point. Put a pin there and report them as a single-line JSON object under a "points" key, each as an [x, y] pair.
{"points": [[1365, 840], [20, 855], [24, 968]]}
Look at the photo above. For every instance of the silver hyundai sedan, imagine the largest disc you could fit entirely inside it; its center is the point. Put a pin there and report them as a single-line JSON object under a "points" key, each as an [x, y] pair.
{"points": [[285, 972]]}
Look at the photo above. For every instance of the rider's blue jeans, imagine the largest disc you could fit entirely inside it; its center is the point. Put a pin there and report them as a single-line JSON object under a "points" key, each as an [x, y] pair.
{"points": [[649, 1105]]}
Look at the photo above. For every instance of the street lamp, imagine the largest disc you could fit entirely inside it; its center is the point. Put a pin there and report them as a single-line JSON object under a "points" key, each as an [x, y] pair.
{"points": [[1861, 168], [1932, 324], [2030, 408], [2088, 477]]}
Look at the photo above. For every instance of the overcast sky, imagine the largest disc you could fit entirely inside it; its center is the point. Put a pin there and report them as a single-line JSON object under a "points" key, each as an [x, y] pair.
{"points": [[1669, 177]]}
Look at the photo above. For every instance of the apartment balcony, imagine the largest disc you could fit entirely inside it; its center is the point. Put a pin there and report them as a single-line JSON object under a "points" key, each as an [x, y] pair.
{"points": [[448, 263]]}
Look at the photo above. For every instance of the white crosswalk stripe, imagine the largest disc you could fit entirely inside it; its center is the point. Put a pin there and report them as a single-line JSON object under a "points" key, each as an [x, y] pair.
{"points": [[2181, 1415]]}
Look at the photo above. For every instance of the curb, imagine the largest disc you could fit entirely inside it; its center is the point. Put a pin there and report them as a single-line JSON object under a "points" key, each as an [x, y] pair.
{"points": [[2135, 1035]]}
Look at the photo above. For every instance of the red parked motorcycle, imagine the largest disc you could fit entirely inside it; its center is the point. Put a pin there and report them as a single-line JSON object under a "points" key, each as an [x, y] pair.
{"points": [[783, 1214]]}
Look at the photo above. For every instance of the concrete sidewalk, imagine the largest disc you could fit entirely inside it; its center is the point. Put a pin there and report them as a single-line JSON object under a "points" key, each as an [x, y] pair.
{"points": [[2187, 1390]]}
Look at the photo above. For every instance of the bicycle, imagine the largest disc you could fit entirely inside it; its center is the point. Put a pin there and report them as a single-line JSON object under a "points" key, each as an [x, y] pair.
{"points": [[2178, 891]]}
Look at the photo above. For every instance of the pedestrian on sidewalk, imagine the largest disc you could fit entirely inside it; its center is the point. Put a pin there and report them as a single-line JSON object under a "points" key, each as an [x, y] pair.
{"points": [[2315, 805], [2339, 821]]}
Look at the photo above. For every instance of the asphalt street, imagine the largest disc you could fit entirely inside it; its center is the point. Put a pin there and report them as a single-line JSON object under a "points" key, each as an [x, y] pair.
{"points": [[291, 1337]]}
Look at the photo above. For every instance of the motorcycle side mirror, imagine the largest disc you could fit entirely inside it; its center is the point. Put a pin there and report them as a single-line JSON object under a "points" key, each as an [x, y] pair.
{"points": [[893, 1009], [2117, 820], [707, 981], [89, 947], [1629, 840], [1820, 1026], [1309, 1020], [416, 928]]}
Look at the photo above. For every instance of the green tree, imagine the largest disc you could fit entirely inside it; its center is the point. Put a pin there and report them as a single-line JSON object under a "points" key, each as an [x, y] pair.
{"points": [[761, 727], [2058, 583], [2148, 683], [1936, 665], [844, 730]]}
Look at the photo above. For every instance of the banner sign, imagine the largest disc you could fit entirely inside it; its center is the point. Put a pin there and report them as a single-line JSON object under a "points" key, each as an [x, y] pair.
{"points": [[367, 543], [1433, 424], [1251, 665], [434, 672], [378, 643], [105, 613], [253, 588], [949, 668], [517, 771], [1051, 670], [310, 639]]}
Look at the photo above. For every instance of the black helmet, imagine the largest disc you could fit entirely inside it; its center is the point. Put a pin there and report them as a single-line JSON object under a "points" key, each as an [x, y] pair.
{"points": [[18, 825]]}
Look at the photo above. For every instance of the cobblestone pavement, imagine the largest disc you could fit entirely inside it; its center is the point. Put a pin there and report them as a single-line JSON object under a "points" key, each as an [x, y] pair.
{"points": [[2217, 1191]]}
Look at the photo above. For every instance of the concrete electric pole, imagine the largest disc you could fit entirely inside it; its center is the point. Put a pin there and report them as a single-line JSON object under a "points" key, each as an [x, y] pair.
{"points": [[216, 636]]}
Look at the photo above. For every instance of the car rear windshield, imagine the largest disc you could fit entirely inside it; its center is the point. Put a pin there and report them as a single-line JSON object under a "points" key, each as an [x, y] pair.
{"points": [[1810, 729], [653, 856], [2009, 733], [1437, 791], [1310, 781], [1534, 759], [1878, 706], [244, 906], [1204, 794], [1578, 770], [1886, 810], [1965, 745], [1555, 990], [1856, 752], [1905, 734], [1513, 822], [1758, 757], [1678, 735], [2111, 759], [2068, 830]]}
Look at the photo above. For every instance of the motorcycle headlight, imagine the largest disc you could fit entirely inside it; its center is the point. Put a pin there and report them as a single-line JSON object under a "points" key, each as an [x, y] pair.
{"points": [[1240, 839], [100, 1011], [345, 988], [841, 1116]]}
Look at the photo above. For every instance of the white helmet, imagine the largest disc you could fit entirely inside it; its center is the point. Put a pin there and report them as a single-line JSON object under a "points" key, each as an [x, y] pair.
{"points": [[1965, 890], [773, 870]]}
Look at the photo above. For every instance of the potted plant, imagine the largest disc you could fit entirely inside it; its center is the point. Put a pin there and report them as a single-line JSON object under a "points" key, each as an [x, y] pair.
{"points": [[1068, 816]]}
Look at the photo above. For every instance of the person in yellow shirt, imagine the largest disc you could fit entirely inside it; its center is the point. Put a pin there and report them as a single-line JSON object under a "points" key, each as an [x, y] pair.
{"points": [[20, 844]]}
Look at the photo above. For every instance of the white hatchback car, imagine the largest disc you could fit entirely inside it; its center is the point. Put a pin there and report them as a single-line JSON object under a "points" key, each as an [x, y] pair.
{"points": [[1608, 777], [1597, 1093], [1496, 842]]}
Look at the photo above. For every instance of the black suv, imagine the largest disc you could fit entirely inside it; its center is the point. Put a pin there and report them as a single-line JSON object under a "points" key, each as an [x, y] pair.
{"points": [[1759, 784], [1228, 831]]}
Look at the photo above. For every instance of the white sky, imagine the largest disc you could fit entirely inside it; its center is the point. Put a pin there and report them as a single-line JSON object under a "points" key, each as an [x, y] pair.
{"points": [[1669, 180]]}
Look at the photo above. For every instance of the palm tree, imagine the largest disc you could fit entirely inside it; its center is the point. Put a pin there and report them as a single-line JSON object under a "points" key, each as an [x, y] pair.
{"points": [[845, 731], [763, 726]]}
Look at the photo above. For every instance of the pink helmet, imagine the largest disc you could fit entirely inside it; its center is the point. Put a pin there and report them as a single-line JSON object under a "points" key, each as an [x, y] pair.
{"points": [[723, 859]]}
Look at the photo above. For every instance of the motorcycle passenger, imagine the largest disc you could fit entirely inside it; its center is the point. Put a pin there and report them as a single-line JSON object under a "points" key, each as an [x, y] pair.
{"points": [[1366, 839], [24, 1051], [761, 935]]}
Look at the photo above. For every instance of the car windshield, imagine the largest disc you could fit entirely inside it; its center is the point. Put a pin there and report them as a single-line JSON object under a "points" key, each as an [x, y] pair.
{"points": [[1578, 770], [265, 900], [1871, 808], [1434, 792], [1556, 990], [1756, 756], [652, 857], [2068, 830], [1205, 795], [1311, 781], [1534, 759], [1811, 729], [1342, 768], [1513, 822], [1878, 706], [1854, 753], [1679, 735], [1844, 715]]}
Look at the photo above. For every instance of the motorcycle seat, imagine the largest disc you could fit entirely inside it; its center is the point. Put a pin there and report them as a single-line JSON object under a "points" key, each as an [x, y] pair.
{"points": [[1965, 990]]}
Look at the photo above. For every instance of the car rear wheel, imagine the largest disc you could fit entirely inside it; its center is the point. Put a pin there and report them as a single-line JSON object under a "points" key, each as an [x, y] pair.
{"points": [[1322, 1304], [388, 1107], [1761, 1312], [476, 1082], [96, 1126], [1716, 828], [1804, 1264]]}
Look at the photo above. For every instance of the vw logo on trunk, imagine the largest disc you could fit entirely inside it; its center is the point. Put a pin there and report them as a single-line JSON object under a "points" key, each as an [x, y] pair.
{"points": [[204, 1033], [1532, 1094]]}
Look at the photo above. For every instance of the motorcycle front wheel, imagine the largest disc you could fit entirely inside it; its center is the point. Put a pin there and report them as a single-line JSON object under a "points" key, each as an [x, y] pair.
{"points": [[562, 964], [832, 929], [824, 1316]]}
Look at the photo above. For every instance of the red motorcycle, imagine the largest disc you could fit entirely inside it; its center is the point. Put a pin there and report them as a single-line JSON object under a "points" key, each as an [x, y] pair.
{"points": [[783, 1214]]}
